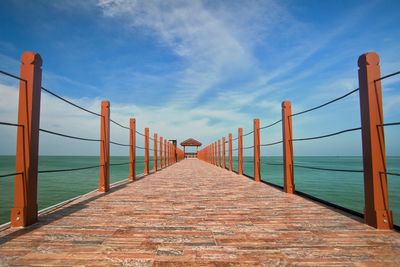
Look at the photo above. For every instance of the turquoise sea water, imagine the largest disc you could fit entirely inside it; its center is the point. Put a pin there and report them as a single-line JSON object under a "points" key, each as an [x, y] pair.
{"points": [[57, 187], [344, 189], [341, 188]]}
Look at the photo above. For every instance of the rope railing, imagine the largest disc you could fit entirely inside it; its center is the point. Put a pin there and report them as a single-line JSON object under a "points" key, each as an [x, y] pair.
{"points": [[392, 173], [12, 75], [139, 133], [30, 92], [248, 133], [326, 169], [272, 164], [70, 170], [70, 136], [390, 124], [387, 76], [120, 125], [69, 102], [326, 135], [119, 164], [325, 104], [118, 144], [373, 144], [10, 174], [10, 124], [270, 125], [271, 144]]}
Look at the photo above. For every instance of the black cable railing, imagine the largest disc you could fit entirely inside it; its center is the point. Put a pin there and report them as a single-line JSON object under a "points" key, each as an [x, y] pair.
{"points": [[387, 76], [248, 147], [272, 144], [326, 169], [120, 125], [270, 125], [119, 164], [325, 104], [69, 102], [11, 124], [10, 174], [119, 144], [69, 170], [70, 136], [140, 147], [248, 133], [272, 164], [392, 173], [12, 75], [327, 135], [139, 133], [390, 124]]}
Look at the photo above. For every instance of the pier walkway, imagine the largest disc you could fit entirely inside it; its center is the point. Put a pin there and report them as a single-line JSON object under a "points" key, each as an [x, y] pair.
{"points": [[194, 213]]}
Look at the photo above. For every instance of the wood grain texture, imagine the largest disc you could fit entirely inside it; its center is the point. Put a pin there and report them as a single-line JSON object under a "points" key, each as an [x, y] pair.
{"points": [[196, 214]]}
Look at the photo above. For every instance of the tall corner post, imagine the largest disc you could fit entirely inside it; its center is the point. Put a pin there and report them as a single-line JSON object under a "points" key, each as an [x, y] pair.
{"points": [[146, 151], [256, 133], [240, 151], [104, 181], [223, 153], [155, 155], [377, 212], [288, 171], [132, 149], [230, 152], [25, 209]]}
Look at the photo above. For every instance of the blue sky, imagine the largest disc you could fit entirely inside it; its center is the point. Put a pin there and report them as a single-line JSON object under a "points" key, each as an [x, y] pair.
{"points": [[201, 68]]}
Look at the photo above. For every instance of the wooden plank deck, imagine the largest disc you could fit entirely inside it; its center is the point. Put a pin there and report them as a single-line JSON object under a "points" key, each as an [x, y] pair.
{"points": [[193, 213]]}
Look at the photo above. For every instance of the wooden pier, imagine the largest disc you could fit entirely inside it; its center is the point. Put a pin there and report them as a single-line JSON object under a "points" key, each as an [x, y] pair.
{"points": [[196, 214]]}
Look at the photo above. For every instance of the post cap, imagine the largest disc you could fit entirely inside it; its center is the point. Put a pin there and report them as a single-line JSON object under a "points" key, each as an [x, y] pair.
{"points": [[286, 104], [369, 58], [31, 58], [105, 103]]}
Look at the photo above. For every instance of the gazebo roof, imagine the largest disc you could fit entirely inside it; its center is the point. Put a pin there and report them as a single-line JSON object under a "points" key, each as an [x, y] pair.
{"points": [[190, 142]]}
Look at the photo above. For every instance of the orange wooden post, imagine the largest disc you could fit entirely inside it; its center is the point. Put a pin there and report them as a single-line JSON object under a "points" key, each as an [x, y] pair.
{"points": [[257, 167], [219, 153], [155, 153], [230, 152], [240, 151], [146, 151], [132, 149], [165, 153], [377, 213], [161, 153], [25, 209], [223, 153], [215, 153], [104, 181], [288, 173]]}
